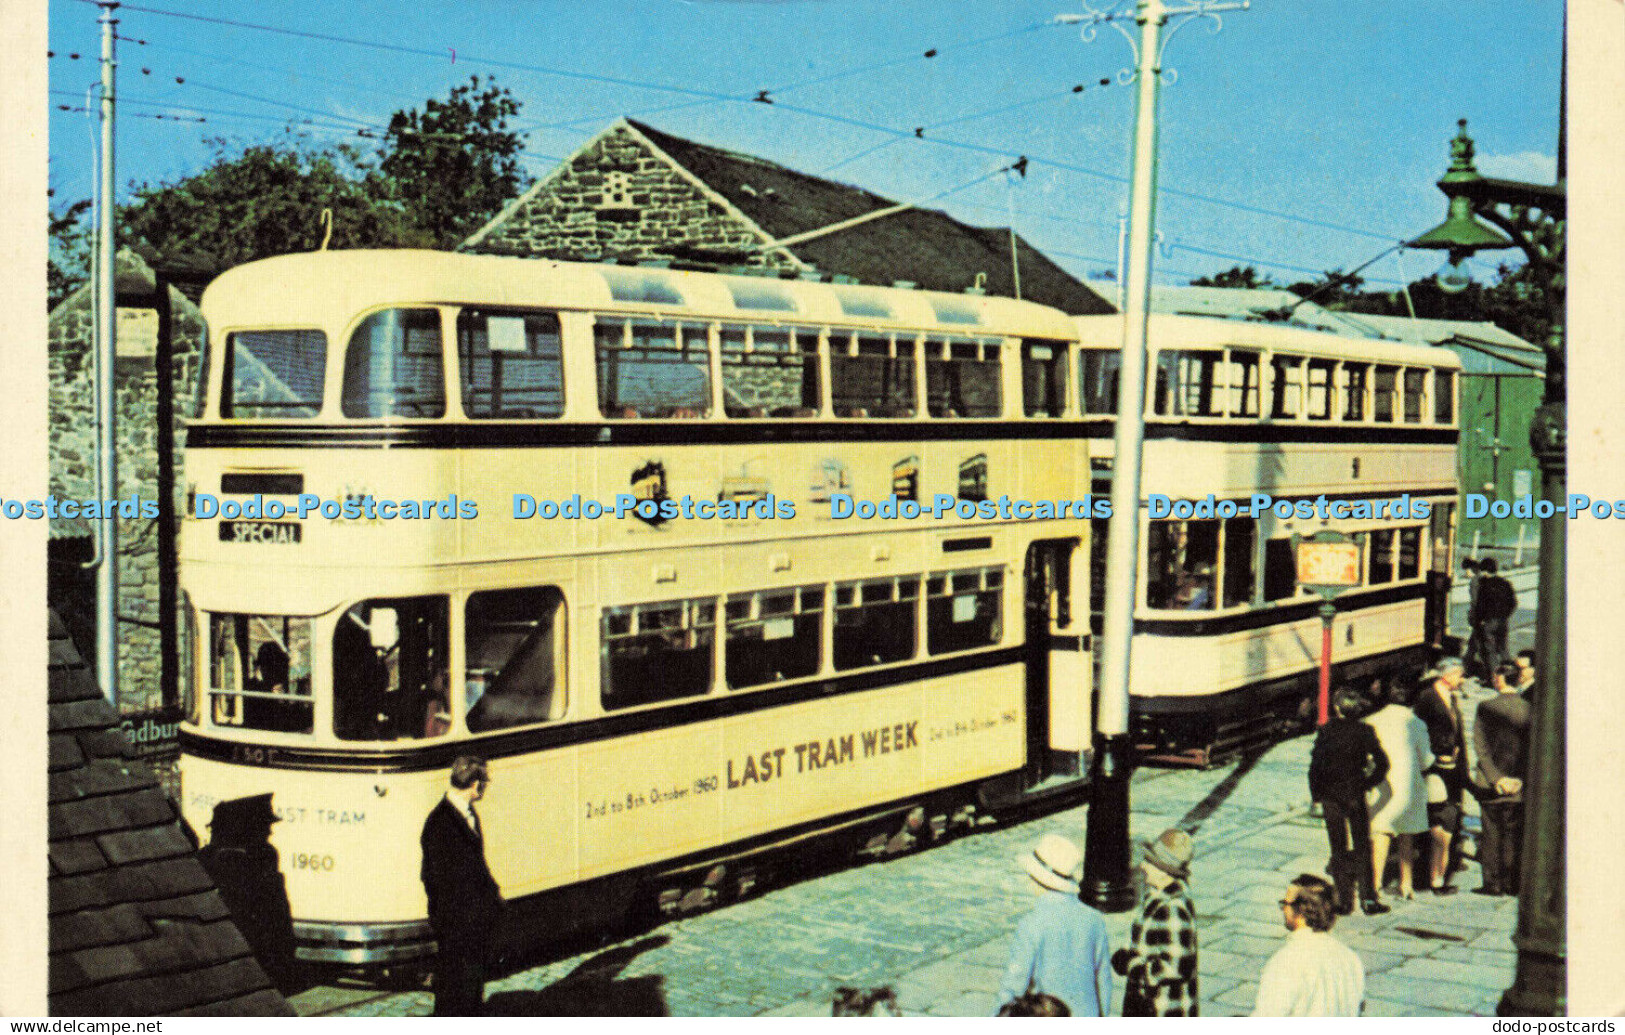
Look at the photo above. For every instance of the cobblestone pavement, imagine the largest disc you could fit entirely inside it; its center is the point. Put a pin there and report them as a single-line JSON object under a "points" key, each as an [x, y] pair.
{"points": [[935, 925]]}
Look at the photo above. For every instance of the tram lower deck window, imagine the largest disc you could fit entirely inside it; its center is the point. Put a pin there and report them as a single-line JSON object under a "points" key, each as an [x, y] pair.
{"points": [[656, 652], [773, 636], [514, 657], [391, 679], [962, 609], [1182, 562], [259, 673], [875, 621]]}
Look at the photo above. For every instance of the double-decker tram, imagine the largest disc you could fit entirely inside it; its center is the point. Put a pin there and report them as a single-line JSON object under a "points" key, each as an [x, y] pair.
{"points": [[1257, 433], [628, 534]]}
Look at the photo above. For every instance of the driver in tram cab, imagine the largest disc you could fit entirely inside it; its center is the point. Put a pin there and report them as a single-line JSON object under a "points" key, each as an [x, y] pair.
{"points": [[270, 669]]}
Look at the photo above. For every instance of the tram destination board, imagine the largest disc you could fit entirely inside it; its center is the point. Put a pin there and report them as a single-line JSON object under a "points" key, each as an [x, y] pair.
{"points": [[264, 532]]}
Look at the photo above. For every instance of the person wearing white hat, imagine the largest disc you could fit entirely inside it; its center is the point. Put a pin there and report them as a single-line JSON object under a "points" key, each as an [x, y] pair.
{"points": [[1060, 947]]}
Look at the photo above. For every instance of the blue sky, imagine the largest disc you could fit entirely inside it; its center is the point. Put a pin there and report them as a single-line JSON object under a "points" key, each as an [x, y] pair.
{"points": [[1336, 112]]}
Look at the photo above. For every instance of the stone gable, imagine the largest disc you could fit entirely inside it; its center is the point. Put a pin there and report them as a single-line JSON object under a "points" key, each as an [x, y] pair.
{"points": [[620, 198]]}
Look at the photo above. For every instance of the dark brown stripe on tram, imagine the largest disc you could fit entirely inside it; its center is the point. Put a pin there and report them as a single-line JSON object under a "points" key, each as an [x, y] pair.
{"points": [[527, 741], [497, 435]]}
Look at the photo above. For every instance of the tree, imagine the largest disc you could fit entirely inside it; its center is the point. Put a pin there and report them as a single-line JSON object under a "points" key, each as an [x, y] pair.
{"points": [[1236, 277], [454, 164], [268, 200], [69, 263]]}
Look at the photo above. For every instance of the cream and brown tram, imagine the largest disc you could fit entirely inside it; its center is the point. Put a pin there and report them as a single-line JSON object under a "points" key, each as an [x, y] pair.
{"points": [[658, 695], [1351, 434]]}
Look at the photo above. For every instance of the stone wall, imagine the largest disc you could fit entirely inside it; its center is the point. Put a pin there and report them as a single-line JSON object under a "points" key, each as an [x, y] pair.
{"points": [[619, 199], [72, 432]]}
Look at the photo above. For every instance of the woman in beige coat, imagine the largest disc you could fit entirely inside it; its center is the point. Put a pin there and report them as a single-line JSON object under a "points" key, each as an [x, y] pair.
{"points": [[1399, 804]]}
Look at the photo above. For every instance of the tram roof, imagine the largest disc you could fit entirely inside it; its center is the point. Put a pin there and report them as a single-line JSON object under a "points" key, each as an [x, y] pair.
{"points": [[1168, 331], [333, 287]]}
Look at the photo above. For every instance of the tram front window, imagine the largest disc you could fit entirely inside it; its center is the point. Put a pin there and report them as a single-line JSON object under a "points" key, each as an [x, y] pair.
{"points": [[276, 374], [390, 680], [259, 673]]}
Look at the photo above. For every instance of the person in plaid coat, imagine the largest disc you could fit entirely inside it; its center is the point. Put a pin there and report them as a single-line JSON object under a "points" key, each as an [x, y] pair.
{"points": [[1160, 963]]}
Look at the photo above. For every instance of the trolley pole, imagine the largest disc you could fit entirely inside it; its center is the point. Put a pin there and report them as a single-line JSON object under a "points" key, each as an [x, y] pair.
{"points": [[106, 405], [1107, 871]]}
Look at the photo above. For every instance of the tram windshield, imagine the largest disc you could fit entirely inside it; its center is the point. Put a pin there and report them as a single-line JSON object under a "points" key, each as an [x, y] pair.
{"points": [[259, 672]]}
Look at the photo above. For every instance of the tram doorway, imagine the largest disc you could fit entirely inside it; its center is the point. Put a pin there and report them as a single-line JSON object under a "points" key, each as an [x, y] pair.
{"points": [[1058, 667]]}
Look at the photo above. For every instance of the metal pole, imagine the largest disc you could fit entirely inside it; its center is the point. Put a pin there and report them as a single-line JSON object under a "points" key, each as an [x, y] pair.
{"points": [[1108, 881], [1328, 611], [106, 408]]}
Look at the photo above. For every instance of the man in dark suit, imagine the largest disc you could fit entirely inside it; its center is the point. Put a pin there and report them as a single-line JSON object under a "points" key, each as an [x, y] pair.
{"points": [[465, 904], [1491, 609], [1501, 741], [1345, 763], [1440, 710]]}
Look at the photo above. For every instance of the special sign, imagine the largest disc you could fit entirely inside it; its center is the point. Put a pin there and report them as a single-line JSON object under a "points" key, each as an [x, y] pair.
{"points": [[1332, 564]]}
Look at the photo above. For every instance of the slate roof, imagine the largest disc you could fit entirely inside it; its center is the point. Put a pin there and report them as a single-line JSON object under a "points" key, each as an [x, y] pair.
{"points": [[926, 246], [136, 925]]}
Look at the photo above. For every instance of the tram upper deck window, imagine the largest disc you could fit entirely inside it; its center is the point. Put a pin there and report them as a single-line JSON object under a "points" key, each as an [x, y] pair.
{"points": [[770, 371], [1097, 381], [514, 650], [962, 378], [875, 621], [511, 365], [1415, 383], [1182, 562], [1444, 396], [274, 374], [656, 652], [1382, 394], [773, 635], [1318, 404], [259, 673], [1043, 378], [1244, 376], [962, 609], [393, 366], [390, 672], [1184, 386], [1286, 386], [1355, 376], [872, 375], [652, 369]]}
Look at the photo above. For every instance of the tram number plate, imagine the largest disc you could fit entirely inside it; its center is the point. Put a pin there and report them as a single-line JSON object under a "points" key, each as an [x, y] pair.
{"points": [[259, 531]]}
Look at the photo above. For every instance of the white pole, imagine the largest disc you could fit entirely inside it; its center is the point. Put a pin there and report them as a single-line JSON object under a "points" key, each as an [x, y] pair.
{"points": [[106, 408], [1123, 532]]}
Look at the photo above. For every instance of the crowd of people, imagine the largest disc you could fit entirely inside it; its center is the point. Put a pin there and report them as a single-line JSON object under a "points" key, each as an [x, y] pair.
{"points": [[1389, 770]]}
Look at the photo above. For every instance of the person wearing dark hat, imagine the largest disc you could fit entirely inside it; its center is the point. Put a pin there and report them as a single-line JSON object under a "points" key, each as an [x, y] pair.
{"points": [[1060, 948], [247, 870], [1439, 708], [1345, 763], [1160, 962], [1491, 609], [465, 903]]}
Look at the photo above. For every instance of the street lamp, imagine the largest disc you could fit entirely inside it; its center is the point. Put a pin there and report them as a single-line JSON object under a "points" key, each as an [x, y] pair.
{"points": [[1532, 217]]}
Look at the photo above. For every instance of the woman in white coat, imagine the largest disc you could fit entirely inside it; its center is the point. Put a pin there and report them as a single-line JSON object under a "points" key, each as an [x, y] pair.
{"points": [[1399, 804]]}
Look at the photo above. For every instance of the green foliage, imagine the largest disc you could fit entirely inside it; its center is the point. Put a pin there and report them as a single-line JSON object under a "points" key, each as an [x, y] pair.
{"points": [[69, 263], [1236, 277], [268, 200], [454, 164]]}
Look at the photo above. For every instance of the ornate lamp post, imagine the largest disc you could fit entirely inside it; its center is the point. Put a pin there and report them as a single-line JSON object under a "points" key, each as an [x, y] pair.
{"points": [[1532, 217]]}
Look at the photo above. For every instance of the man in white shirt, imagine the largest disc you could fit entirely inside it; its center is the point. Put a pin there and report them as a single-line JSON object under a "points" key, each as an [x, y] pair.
{"points": [[1313, 974]]}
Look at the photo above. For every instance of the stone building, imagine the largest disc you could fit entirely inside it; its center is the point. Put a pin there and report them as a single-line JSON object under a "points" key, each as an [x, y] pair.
{"points": [[634, 193], [148, 458]]}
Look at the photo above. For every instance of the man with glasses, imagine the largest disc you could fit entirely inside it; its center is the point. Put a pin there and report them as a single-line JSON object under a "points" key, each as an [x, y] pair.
{"points": [[1313, 974]]}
